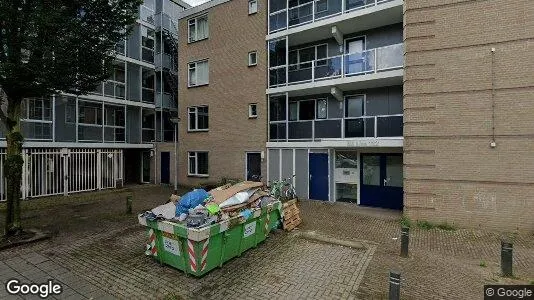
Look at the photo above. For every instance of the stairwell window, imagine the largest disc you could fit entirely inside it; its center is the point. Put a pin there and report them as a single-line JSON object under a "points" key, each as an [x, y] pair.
{"points": [[252, 58], [252, 6], [198, 119], [198, 73], [253, 110], [198, 28], [197, 163]]}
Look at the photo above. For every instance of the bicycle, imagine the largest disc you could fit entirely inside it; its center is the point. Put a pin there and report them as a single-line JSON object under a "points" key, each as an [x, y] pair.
{"points": [[283, 189]]}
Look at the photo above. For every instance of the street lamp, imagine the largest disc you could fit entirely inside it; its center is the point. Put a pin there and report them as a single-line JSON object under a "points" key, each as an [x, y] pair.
{"points": [[175, 121]]}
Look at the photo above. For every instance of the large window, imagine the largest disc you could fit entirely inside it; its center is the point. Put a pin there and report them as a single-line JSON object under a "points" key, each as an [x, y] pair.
{"points": [[147, 44], [115, 85], [198, 28], [148, 84], [302, 58], [198, 118], [89, 113], [37, 109], [198, 73], [198, 163]]}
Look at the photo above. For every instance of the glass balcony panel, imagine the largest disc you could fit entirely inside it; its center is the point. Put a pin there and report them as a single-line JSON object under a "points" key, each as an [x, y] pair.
{"points": [[390, 57], [327, 129], [277, 76], [147, 55], [148, 135], [36, 130], [168, 135], [358, 4], [109, 89], [301, 14], [325, 8], [300, 130], [328, 67], [89, 133], [358, 63], [300, 72], [278, 21], [277, 131], [148, 96], [389, 126], [360, 127], [120, 91]]}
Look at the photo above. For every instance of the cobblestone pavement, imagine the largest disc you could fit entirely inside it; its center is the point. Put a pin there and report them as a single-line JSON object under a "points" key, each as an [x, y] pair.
{"points": [[100, 254]]}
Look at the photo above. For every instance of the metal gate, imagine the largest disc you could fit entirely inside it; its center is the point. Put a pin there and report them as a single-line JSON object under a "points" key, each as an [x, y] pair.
{"points": [[53, 171]]}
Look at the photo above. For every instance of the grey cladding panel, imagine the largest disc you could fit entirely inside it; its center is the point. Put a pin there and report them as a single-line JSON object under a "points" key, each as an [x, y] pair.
{"points": [[274, 165], [301, 173]]}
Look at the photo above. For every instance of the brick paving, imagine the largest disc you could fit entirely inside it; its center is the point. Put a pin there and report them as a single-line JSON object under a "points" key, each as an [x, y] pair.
{"points": [[105, 259]]}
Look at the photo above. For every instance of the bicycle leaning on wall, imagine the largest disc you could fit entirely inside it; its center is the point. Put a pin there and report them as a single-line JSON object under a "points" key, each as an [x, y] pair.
{"points": [[283, 189]]}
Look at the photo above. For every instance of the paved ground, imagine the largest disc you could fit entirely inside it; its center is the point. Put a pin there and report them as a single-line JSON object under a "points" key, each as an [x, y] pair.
{"points": [[97, 251]]}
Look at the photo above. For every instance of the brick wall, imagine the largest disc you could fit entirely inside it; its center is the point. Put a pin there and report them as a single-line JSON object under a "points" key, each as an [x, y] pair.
{"points": [[232, 86], [451, 172]]}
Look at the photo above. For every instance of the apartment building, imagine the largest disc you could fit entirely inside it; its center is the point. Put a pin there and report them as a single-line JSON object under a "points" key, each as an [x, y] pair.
{"points": [[468, 106], [223, 113], [119, 134], [335, 95]]}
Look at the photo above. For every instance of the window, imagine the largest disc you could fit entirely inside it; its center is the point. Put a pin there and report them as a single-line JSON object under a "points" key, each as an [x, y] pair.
{"points": [[198, 163], [302, 58], [89, 113], [198, 118], [253, 110], [37, 109], [148, 83], [198, 73], [252, 6], [252, 58], [321, 6], [198, 28], [354, 106], [321, 108], [147, 44]]}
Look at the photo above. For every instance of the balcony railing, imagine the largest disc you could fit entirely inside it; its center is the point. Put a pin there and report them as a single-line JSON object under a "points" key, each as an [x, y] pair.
{"points": [[359, 127], [148, 135], [360, 63], [37, 130], [146, 14], [162, 20], [165, 100], [114, 89], [315, 10]]}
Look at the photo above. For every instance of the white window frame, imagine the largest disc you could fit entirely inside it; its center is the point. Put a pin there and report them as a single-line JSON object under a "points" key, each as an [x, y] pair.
{"points": [[194, 109], [252, 9], [250, 114], [194, 154], [193, 65], [255, 63], [195, 23]]}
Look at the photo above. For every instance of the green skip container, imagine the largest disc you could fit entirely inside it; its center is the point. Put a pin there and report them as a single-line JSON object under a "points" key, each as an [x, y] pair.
{"points": [[198, 251]]}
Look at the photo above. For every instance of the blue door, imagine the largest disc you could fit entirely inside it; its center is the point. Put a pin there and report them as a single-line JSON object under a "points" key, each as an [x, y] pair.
{"points": [[381, 180], [318, 166], [165, 167]]}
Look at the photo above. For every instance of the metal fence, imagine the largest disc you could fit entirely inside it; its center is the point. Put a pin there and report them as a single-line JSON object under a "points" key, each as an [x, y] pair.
{"points": [[53, 171]]}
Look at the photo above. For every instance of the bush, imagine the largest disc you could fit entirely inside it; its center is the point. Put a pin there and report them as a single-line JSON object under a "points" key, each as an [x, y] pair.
{"points": [[405, 221]]}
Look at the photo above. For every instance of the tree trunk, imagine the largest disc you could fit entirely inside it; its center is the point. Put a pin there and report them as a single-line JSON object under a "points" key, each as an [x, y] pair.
{"points": [[13, 170]]}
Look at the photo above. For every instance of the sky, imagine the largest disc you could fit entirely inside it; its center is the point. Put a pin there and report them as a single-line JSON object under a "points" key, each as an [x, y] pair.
{"points": [[195, 2]]}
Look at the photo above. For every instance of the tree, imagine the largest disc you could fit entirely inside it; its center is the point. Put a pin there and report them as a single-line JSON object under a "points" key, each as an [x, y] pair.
{"points": [[49, 47]]}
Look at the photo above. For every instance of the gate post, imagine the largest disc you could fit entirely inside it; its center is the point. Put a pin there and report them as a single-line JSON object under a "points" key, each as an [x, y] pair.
{"points": [[98, 169], [24, 185], [65, 154]]}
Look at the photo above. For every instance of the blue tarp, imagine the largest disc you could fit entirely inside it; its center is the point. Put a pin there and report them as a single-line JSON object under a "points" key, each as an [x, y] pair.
{"points": [[191, 200]]}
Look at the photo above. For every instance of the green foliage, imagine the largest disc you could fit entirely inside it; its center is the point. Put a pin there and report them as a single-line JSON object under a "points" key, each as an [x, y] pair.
{"points": [[405, 221], [482, 264], [59, 46], [423, 224]]}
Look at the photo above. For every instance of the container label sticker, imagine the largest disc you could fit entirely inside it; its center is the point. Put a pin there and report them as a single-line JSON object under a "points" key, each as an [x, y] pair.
{"points": [[171, 246], [250, 229]]}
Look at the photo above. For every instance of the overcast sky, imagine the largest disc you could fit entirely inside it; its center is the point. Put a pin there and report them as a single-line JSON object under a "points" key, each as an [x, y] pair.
{"points": [[195, 2]]}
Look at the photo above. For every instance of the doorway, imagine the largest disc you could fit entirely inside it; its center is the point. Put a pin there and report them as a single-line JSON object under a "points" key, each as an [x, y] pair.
{"points": [[253, 167], [355, 58], [318, 166], [145, 166], [165, 173], [381, 180]]}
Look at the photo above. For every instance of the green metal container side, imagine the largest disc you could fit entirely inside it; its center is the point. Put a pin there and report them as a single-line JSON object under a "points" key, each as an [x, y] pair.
{"points": [[200, 257]]}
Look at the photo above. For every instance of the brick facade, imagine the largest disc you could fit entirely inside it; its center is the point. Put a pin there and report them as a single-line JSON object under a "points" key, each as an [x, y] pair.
{"points": [[451, 172], [233, 85]]}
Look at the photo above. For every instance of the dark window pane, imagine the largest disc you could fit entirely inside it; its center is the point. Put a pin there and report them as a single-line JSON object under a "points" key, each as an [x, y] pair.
{"points": [[192, 165], [277, 108], [277, 53], [354, 107], [389, 126], [300, 130], [307, 110], [359, 127], [277, 131], [202, 161], [328, 129]]}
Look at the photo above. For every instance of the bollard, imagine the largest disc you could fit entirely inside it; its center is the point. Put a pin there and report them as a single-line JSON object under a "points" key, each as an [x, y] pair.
{"points": [[394, 285], [129, 204], [506, 258], [405, 241]]}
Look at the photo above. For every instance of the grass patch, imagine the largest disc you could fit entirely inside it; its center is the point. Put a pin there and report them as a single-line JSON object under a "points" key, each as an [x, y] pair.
{"points": [[426, 225], [532, 282], [406, 222], [482, 264]]}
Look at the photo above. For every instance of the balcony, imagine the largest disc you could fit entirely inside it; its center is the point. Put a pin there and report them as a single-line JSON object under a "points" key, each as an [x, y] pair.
{"points": [[163, 21], [165, 100], [371, 61], [295, 13], [383, 126], [148, 135]]}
